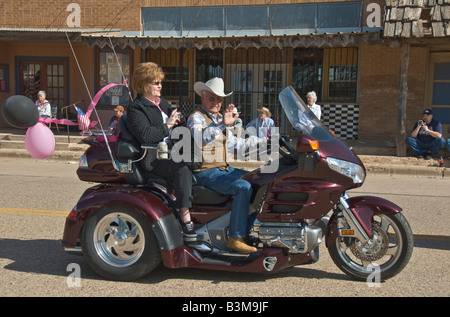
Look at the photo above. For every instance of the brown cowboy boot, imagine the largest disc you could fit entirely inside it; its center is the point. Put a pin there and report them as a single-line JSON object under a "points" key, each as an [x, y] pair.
{"points": [[238, 245]]}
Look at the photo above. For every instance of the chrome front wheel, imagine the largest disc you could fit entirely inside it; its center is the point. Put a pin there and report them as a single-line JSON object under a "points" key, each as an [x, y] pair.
{"points": [[386, 254]]}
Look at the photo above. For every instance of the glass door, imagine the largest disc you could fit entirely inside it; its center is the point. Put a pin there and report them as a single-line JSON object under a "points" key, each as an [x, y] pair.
{"points": [[56, 92], [49, 76]]}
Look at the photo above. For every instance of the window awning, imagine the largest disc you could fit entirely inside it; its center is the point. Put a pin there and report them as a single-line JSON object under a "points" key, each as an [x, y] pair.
{"points": [[49, 34], [234, 42]]}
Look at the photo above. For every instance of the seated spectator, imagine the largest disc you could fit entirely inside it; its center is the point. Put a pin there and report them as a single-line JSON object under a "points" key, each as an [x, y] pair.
{"points": [[426, 137], [118, 110], [262, 124], [43, 106]]}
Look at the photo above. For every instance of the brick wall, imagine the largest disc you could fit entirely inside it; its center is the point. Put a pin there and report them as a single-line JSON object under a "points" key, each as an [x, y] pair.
{"points": [[53, 14], [380, 66]]}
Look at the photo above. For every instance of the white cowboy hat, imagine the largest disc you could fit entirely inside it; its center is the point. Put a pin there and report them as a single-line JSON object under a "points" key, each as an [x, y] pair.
{"points": [[214, 85]]}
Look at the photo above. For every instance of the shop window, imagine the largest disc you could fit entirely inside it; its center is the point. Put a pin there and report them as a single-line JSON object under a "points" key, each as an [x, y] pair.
{"points": [[441, 83], [208, 64], [332, 73], [438, 87], [342, 71], [307, 72], [113, 67], [176, 82], [252, 20], [178, 75]]}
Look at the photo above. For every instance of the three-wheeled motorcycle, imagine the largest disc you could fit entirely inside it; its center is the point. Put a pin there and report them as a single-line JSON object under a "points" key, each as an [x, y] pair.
{"points": [[125, 226]]}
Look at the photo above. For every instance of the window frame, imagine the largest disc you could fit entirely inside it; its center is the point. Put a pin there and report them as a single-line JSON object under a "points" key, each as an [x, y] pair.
{"points": [[101, 74], [440, 111], [4, 78], [337, 63], [172, 78]]}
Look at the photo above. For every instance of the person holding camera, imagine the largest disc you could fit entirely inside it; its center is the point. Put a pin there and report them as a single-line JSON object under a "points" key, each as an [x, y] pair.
{"points": [[426, 137]]}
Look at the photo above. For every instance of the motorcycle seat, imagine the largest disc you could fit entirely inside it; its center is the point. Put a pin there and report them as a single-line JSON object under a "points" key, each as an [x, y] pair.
{"points": [[204, 196], [129, 149], [200, 195]]}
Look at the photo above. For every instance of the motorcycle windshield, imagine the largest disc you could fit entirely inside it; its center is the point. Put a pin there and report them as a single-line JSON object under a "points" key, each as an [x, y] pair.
{"points": [[301, 117]]}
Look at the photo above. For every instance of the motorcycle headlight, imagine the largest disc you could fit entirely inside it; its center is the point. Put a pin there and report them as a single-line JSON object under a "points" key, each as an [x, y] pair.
{"points": [[352, 170]]}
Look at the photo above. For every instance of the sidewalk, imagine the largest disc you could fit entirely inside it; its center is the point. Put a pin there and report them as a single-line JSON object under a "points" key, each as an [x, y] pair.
{"points": [[378, 157], [381, 158]]}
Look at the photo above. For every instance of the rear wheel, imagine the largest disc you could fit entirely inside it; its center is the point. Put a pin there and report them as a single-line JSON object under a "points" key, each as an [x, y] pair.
{"points": [[382, 257], [119, 244]]}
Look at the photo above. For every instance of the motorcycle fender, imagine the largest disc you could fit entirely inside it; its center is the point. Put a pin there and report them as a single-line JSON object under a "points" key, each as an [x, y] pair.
{"points": [[158, 215], [363, 208]]}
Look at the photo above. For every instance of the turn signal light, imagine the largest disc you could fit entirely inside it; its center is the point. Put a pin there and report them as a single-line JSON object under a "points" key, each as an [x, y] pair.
{"points": [[314, 144]]}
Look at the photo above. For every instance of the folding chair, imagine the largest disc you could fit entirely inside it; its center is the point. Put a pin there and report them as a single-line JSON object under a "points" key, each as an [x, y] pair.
{"points": [[54, 114]]}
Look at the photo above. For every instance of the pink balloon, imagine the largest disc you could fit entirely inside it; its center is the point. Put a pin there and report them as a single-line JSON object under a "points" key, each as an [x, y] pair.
{"points": [[40, 141]]}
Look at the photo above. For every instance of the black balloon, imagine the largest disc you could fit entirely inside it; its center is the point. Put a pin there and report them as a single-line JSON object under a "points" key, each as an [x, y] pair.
{"points": [[20, 112]]}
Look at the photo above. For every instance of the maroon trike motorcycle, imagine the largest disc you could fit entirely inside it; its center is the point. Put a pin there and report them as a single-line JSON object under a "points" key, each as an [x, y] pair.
{"points": [[126, 226]]}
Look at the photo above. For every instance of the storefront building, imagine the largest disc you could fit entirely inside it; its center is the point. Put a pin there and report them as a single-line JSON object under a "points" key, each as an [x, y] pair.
{"points": [[348, 52]]}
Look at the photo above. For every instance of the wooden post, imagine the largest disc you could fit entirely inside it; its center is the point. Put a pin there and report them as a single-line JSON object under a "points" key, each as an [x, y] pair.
{"points": [[402, 99]]}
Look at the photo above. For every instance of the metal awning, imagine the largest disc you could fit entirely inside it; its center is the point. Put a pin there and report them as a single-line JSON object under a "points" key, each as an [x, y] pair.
{"points": [[50, 34], [233, 42]]}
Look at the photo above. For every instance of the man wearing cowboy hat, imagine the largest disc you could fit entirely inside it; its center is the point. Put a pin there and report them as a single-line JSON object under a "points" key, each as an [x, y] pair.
{"points": [[215, 173], [262, 124]]}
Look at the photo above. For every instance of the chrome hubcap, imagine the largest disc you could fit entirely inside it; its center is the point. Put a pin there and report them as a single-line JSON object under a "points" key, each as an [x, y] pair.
{"points": [[119, 239]]}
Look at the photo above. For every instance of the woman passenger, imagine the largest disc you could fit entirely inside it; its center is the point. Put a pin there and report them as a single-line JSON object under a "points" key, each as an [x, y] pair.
{"points": [[150, 119]]}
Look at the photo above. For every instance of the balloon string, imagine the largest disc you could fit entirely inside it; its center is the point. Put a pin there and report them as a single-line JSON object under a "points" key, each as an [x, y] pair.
{"points": [[90, 97], [79, 68], [120, 67]]}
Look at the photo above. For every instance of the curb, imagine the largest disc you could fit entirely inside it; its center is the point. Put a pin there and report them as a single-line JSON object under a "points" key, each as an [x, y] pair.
{"points": [[417, 171], [370, 163]]}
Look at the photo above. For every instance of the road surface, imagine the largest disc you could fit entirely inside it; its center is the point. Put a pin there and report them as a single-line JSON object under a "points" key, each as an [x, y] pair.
{"points": [[37, 195]]}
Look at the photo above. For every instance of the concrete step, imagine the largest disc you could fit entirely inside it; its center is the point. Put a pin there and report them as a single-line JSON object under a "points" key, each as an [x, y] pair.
{"points": [[58, 138], [68, 148], [57, 155], [21, 145]]}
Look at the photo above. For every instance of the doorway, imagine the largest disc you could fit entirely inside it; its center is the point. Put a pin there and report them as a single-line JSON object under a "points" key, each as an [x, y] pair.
{"points": [[47, 75]]}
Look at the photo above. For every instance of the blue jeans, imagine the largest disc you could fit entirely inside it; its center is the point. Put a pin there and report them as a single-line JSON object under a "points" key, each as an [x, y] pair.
{"points": [[447, 145], [229, 183], [420, 147]]}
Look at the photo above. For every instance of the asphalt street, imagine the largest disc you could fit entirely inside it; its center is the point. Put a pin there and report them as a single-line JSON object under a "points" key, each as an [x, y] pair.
{"points": [[37, 195]]}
